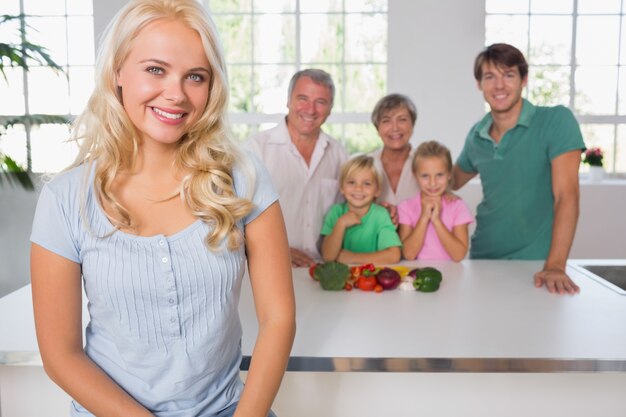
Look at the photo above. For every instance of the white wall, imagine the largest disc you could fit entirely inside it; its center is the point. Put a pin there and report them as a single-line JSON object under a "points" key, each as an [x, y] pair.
{"points": [[432, 45], [103, 11]]}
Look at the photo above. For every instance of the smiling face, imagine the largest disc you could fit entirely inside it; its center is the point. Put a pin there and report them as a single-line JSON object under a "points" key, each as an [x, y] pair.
{"points": [[165, 81], [502, 87], [309, 106], [395, 128], [360, 188], [432, 175]]}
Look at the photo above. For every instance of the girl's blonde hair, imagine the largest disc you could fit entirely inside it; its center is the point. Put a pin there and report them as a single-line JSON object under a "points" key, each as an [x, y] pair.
{"points": [[433, 149], [107, 137], [359, 163]]}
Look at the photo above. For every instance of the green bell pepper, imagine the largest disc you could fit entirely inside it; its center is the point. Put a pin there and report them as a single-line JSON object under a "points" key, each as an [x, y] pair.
{"points": [[427, 279]]}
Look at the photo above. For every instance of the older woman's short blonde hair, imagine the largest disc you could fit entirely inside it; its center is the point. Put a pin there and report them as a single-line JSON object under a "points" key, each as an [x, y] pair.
{"points": [[392, 102]]}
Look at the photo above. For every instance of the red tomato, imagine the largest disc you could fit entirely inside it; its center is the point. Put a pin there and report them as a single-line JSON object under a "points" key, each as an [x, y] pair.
{"points": [[347, 287], [366, 283], [378, 288]]}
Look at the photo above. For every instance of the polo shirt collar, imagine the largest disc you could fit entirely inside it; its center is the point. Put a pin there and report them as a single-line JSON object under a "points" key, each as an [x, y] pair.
{"points": [[525, 118]]}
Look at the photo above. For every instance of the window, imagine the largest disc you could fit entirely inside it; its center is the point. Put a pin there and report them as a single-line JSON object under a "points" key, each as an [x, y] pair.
{"points": [[266, 41], [576, 51], [65, 28]]}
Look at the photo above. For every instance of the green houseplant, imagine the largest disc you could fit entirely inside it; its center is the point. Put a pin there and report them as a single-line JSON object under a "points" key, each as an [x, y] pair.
{"points": [[19, 55], [593, 157]]}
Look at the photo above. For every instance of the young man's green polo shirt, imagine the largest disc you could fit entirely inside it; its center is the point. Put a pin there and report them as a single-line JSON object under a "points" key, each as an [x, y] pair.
{"points": [[376, 231], [514, 219]]}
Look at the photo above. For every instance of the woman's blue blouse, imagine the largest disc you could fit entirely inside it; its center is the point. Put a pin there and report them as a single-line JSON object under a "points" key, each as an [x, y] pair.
{"points": [[164, 320]]}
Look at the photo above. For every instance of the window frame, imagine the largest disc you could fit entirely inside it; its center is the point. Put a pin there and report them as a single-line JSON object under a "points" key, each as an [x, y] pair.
{"points": [[338, 118], [67, 66], [614, 120]]}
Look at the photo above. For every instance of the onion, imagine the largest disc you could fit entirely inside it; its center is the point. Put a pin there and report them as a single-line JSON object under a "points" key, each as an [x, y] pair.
{"points": [[388, 278]]}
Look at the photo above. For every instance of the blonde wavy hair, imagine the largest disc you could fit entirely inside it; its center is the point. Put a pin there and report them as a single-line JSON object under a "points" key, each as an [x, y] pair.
{"points": [[107, 137]]}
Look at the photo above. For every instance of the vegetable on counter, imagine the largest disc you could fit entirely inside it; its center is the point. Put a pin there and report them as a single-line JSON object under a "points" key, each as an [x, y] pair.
{"points": [[332, 275], [401, 269], [312, 271], [363, 277], [427, 279], [388, 278], [366, 282], [337, 276], [367, 270]]}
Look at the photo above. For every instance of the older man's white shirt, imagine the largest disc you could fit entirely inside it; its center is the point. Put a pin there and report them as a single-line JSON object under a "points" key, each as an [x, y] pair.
{"points": [[306, 192]]}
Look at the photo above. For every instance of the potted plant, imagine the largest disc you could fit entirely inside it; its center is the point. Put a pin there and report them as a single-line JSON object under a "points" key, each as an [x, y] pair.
{"points": [[593, 157], [18, 55]]}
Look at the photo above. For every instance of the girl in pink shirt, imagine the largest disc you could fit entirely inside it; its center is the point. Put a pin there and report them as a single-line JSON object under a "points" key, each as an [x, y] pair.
{"points": [[433, 224]]}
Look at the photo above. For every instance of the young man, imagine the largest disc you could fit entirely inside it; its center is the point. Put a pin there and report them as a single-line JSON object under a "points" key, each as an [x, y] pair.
{"points": [[527, 157], [304, 162]]}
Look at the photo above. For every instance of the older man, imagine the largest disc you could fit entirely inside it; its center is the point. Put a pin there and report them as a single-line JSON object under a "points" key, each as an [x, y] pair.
{"points": [[304, 162]]}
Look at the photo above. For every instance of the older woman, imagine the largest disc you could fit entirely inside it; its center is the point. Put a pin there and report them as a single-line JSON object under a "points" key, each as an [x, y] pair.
{"points": [[394, 117]]}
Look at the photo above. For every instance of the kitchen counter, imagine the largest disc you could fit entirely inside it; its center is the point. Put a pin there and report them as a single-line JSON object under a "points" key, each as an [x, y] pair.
{"points": [[486, 317], [487, 343]]}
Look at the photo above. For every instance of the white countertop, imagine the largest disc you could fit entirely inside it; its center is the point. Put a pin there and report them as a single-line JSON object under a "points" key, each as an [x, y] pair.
{"points": [[484, 310], [487, 316]]}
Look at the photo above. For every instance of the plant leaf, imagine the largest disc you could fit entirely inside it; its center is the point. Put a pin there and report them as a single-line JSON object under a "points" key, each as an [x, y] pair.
{"points": [[17, 54], [32, 120], [14, 173]]}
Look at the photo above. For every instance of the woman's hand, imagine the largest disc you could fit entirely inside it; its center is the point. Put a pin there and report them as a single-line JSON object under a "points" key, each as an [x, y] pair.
{"points": [[450, 196], [393, 211]]}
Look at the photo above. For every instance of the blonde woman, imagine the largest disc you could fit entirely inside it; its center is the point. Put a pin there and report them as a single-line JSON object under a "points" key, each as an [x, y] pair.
{"points": [[159, 215]]}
